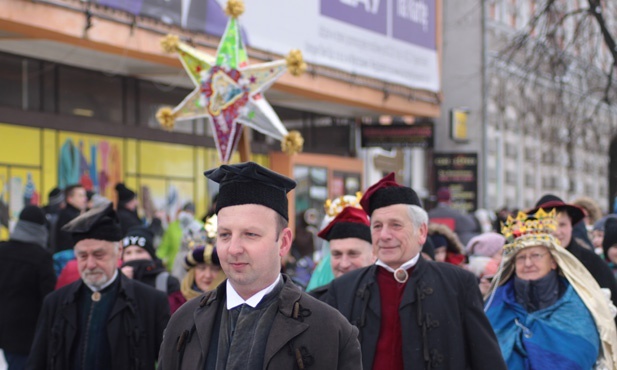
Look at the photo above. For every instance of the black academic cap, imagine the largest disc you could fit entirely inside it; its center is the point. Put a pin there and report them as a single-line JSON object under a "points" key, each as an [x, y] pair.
{"points": [[98, 223], [250, 183]]}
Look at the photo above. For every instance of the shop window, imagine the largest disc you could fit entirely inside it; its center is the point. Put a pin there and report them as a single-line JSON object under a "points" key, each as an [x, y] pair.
{"points": [[90, 94], [11, 81], [154, 95]]}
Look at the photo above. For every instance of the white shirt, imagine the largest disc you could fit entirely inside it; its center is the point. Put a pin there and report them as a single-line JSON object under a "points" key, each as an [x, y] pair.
{"points": [[412, 262], [234, 299]]}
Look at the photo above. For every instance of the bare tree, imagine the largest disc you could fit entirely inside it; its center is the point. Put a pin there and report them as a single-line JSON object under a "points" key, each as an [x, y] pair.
{"points": [[565, 55]]}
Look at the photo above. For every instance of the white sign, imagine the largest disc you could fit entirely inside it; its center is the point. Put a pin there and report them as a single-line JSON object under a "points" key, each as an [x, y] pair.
{"points": [[391, 40]]}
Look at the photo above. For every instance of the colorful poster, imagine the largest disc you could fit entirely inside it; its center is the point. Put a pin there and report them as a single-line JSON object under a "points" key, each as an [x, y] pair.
{"points": [[93, 161]]}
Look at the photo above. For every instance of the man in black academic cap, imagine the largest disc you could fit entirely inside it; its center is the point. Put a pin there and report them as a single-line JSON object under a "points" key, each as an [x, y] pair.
{"points": [[257, 319], [104, 320]]}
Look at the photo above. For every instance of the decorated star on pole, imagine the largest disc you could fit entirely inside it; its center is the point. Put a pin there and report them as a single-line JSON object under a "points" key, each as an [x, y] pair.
{"points": [[229, 92]]}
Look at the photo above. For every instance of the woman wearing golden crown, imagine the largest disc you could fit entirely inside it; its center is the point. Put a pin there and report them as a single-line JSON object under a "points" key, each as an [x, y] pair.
{"points": [[547, 310]]}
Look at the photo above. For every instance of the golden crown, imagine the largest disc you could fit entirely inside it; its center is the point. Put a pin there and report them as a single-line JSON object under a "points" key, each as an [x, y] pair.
{"points": [[334, 207], [525, 229]]}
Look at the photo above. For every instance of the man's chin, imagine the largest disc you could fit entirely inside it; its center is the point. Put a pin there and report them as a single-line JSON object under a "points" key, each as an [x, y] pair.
{"points": [[95, 282]]}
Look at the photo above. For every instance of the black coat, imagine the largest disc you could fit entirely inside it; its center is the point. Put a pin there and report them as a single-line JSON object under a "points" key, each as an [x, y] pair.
{"points": [[134, 327], [64, 240], [305, 333], [441, 300], [127, 219], [26, 277], [596, 267]]}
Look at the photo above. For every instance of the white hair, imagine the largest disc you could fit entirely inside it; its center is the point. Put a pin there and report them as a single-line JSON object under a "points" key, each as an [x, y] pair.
{"points": [[417, 215]]}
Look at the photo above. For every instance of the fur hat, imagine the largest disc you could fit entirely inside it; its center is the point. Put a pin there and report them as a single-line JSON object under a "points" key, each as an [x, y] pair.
{"points": [[387, 192], [33, 214], [98, 223], [453, 242], [590, 206], [250, 183], [487, 244]]}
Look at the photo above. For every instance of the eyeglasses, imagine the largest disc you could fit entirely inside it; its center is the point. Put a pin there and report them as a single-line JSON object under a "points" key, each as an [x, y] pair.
{"points": [[533, 257]]}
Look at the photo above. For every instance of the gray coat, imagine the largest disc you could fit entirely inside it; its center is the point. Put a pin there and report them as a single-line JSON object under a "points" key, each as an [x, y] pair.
{"points": [[305, 334]]}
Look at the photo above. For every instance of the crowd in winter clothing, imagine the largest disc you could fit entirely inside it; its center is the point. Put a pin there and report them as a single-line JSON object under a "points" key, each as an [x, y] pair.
{"points": [[179, 259]]}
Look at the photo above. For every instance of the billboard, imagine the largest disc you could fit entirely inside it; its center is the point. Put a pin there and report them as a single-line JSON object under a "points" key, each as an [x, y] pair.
{"points": [[459, 173], [390, 40]]}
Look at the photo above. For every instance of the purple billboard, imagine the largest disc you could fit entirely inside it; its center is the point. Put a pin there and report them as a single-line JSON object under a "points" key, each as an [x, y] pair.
{"points": [[197, 15], [413, 21], [368, 14]]}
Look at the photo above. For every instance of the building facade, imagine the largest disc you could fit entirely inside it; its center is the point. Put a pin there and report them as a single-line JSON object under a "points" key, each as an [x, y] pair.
{"points": [[82, 82], [533, 120]]}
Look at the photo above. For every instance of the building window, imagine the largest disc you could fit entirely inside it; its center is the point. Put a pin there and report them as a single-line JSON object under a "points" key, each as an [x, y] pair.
{"points": [[530, 180], [11, 81], [90, 94], [152, 96]]}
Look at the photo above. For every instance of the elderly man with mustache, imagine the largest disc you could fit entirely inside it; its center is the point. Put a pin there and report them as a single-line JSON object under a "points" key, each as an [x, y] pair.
{"points": [[104, 320]]}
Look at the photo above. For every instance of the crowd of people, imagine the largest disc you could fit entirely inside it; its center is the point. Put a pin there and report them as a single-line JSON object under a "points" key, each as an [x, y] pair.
{"points": [[87, 284]]}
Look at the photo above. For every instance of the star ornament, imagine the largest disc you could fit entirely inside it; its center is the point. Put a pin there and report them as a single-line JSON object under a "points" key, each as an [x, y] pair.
{"points": [[228, 92]]}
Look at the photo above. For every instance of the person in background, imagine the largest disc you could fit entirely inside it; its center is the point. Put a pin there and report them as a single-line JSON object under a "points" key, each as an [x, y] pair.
{"points": [[140, 263], [52, 213], [597, 233], [464, 225], [412, 313], [257, 319], [484, 253], [547, 310], [203, 272], [104, 320], [349, 236], [448, 248], [26, 277], [76, 202], [592, 212], [609, 244], [183, 230], [322, 274], [127, 208]]}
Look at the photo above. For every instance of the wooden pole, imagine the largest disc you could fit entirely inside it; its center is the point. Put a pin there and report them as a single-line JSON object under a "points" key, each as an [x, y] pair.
{"points": [[244, 147]]}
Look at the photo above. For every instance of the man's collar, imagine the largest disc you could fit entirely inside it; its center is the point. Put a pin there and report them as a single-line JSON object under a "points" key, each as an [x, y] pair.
{"points": [[234, 299], [405, 266]]}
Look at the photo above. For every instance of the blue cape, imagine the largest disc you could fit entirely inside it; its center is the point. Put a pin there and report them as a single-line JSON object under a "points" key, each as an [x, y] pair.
{"points": [[562, 336]]}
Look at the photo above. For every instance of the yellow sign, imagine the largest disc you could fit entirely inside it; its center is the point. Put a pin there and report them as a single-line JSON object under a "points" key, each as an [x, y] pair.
{"points": [[458, 124]]}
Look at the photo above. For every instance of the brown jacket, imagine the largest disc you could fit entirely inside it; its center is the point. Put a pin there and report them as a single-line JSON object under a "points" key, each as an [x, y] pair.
{"points": [[305, 334]]}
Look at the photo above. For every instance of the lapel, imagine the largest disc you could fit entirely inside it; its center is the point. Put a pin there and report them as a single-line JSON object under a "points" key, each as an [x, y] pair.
{"points": [[285, 326], [409, 295], [205, 316], [69, 314], [125, 294]]}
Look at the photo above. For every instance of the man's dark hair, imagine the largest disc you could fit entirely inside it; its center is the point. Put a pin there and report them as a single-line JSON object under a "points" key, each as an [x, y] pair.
{"points": [[69, 190], [281, 223]]}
